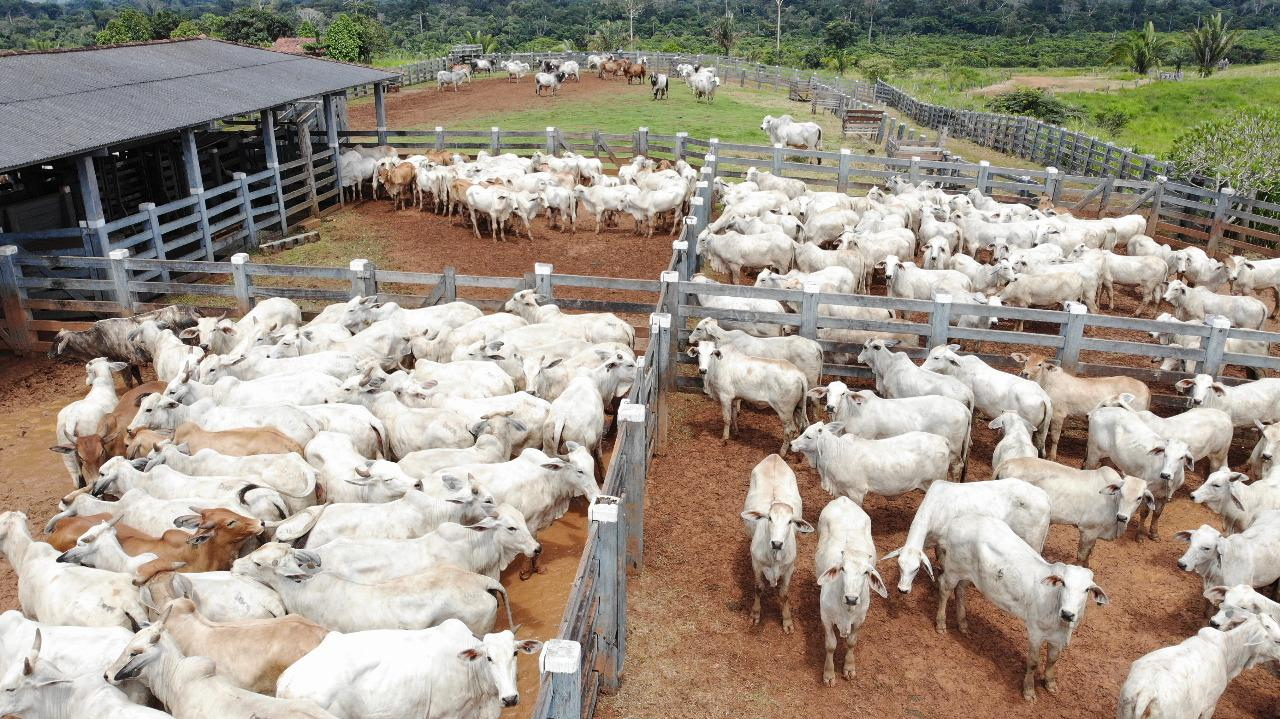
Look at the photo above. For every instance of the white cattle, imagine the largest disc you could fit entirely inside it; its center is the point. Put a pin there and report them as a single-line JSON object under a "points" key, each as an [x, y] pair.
{"points": [[1198, 268], [1024, 507], [157, 412], [1250, 557], [854, 467], [1136, 449], [413, 515], [1206, 432], [731, 376], [786, 131], [538, 485], [81, 417], [1238, 502], [733, 252], [845, 565], [995, 391], [898, 377], [1049, 598], [1247, 404], [804, 353], [772, 513], [1198, 303], [34, 686]]}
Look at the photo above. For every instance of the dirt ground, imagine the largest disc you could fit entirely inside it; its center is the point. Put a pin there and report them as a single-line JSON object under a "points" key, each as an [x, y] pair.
{"points": [[413, 106], [1070, 83]]}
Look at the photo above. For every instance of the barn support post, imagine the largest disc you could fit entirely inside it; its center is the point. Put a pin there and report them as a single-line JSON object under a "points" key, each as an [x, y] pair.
{"points": [[1157, 197], [380, 109], [246, 207], [690, 266], [1052, 185], [542, 279], [157, 238], [449, 285], [1214, 346], [364, 279], [984, 177], [1072, 332], [195, 185], [243, 285], [1220, 208], [635, 457], [95, 220], [308, 165], [939, 319], [777, 159], [331, 137], [120, 281], [16, 318], [642, 141], [273, 163], [495, 141], [551, 141], [562, 659], [842, 179]]}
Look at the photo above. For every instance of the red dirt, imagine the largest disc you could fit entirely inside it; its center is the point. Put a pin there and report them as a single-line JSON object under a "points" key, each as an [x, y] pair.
{"points": [[425, 106]]}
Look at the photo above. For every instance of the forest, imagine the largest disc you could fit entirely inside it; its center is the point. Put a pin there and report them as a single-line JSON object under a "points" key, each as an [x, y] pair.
{"points": [[914, 33]]}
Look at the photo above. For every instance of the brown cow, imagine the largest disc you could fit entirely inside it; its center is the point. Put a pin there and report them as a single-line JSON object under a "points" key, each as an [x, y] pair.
{"points": [[145, 440], [250, 653], [239, 442], [68, 529], [399, 181], [635, 72], [608, 68], [91, 451], [215, 544]]}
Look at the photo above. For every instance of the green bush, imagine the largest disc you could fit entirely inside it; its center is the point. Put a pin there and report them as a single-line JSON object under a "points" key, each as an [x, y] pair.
{"points": [[876, 67], [129, 26], [1034, 103], [1112, 121], [1241, 150], [186, 28]]}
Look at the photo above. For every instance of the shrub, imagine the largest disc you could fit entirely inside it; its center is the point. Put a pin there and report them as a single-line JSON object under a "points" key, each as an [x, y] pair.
{"points": [[186, 28], [1241, 150], [129, 26], [1034, 103], [876, 67], [1112, 121]]}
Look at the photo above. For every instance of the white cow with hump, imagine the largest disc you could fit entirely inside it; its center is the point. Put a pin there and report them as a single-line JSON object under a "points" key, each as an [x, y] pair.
{"points": [[772, 514], [995, 391], [845, 565]]}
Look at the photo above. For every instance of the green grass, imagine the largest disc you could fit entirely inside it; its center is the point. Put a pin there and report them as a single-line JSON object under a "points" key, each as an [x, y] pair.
{"points": [[1161, 111]]}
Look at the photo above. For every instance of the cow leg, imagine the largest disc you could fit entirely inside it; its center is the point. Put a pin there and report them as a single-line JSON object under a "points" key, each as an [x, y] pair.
{"points": [[755, 604], [475, 226], [1085, 549], [784, 602], [945, 587], [1055, 433], [1033, 663], [726, 413], [1153, 532], [1050, 678], [1092, 455], [962, 617], [737, 410], [829, 666]]}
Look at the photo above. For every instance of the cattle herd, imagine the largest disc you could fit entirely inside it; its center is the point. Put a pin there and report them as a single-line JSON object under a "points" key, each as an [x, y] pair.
{"points": [[291, 522], [913, 432]]}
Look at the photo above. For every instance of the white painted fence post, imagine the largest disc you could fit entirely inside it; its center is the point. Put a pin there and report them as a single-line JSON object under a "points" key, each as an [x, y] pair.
{"points": [[439, 138], [1052, 184], [690, 267], [809, 311], [1214, 346], [612, 580], [913, 170], [562, 659], [1072, 332], [495, 141], [939, 319], [240, 278], [551, 141], [364, 283], [984, 177], [777, 159], [120, 281], [842, 179], [542, 278]]}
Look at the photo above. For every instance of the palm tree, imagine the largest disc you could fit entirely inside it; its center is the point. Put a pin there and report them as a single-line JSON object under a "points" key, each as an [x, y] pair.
{"points": [[609, 36], [839, 59], [1141, 50], [1210, 43], [487, 43], [724, 30]]}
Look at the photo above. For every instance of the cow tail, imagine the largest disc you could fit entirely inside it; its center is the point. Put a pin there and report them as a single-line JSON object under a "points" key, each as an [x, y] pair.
{"points": [[819, 145], [1042, 433], [964, 453], [801, 411], [382, 441], [499, 593]]}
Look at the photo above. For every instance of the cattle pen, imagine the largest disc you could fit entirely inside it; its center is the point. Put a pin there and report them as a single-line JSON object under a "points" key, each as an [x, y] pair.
{"points": [[43, 292]]}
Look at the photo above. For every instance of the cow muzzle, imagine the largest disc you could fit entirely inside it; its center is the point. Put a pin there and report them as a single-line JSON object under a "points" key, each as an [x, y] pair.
{"points": [[511, 701], [1122, 518], [1183, 566], [777, 546], [850, 601], [1214, 624], [1166, 476], [1067, 616]]}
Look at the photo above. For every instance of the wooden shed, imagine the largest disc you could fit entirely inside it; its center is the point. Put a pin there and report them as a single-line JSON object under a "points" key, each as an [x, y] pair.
{"points": [[145, 146]]}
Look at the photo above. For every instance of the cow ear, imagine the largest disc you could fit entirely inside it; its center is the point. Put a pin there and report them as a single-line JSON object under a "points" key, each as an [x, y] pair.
{"points": [[832, 572], [198, 539], [189, 334], [1099, 597], [470, 655], [802, 526], [692, 351], [1216, 595], [1183, 536], [1053, 580], [187, 521], [1112, 488], [752, 515], [529, 646], [1019, 357], [63, 448], [877, 584], [817, 393]]}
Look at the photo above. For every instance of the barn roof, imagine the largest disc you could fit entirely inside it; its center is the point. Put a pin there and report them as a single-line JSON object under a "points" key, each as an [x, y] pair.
{"points": [[62, 103]]}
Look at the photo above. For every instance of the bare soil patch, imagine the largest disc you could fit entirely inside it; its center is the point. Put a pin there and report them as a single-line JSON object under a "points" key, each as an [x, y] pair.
{"points": [[1071, 83]]}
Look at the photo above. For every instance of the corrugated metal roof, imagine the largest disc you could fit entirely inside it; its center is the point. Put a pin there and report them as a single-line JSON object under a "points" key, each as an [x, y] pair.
{"points": [[57, 104]]}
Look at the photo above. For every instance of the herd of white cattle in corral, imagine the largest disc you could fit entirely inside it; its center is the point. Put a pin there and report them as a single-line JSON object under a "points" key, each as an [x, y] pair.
{"points": [[288, 523], [913, 432]]}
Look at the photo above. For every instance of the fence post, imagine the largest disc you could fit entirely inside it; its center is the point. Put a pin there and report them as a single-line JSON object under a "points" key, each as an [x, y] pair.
{"points": [[1214, 346], [364, 282], [1072, 332], [984, 176], [690, 267], [562, 659], [713, 149], [20, 336], [1052, 184], [495, 141], [551, 141], [678, 149], [157, 239], [304, 146], [246, 206], [243, 286], [120, 281], [331, 139], [642, 141], [439, 138], [1157, 197], [913, 170], [809, 310], [273, 164], [635, 456], [380, 111], [777, 159], [939, 319], [449, 285], [1219, 219], [842, 179], [612, 556], [680, 252], [542, 278]]}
